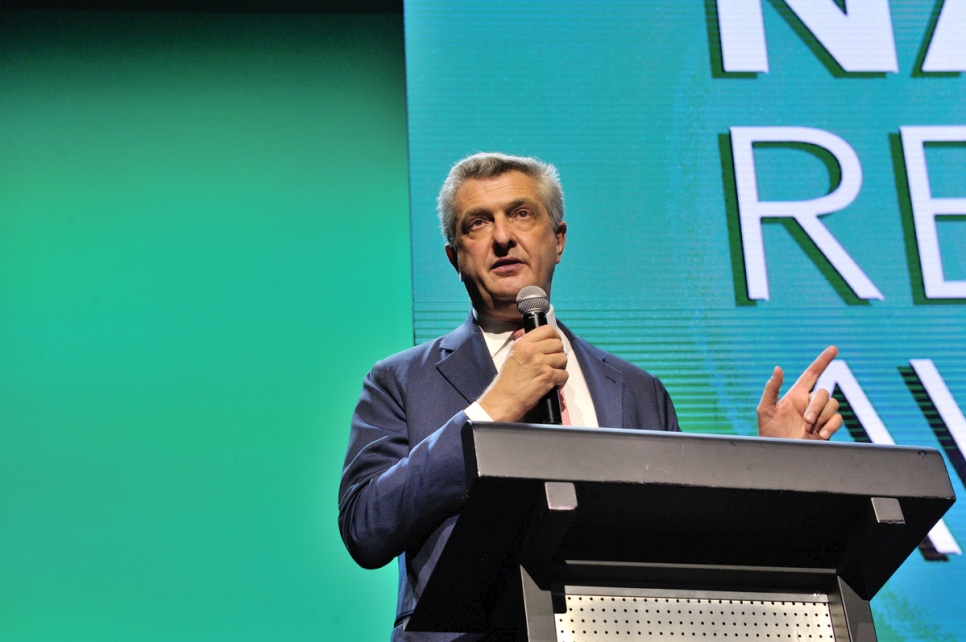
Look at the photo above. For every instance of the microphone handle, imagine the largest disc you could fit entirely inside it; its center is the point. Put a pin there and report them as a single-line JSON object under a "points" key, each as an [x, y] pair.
{"points": [[550, 405]]}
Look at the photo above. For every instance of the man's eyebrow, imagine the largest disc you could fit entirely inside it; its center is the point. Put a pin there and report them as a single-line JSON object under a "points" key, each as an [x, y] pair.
{"points": [[521, 202], [476, 211], [512, 205]]}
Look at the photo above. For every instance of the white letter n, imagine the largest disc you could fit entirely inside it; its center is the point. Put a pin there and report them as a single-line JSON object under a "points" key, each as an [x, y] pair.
{"points": [[859, 41]]}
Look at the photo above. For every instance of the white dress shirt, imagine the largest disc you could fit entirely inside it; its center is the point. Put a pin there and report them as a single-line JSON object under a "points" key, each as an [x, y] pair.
{"points": [[497, 335]]}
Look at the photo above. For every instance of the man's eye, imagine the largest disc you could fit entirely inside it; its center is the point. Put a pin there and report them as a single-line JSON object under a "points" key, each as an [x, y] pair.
{"points": [[475, 224], [523, 213]]}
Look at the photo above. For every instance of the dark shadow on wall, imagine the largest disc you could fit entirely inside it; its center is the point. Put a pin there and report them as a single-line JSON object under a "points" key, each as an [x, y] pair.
{"points": [[214, 6]]}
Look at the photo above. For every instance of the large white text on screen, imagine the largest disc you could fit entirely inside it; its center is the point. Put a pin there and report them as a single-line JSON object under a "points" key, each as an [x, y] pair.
{"points": [[859, 39]]}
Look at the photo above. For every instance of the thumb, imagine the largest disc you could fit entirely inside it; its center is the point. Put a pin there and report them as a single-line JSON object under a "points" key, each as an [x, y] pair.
{"points": [[769, 398]]}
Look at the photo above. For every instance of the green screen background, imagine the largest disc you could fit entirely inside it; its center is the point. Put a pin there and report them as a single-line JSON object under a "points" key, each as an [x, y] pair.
{"points": [[198, 216]]}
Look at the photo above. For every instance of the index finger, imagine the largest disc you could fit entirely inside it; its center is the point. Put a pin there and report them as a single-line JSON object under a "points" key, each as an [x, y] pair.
{"points": [[815, 370]]}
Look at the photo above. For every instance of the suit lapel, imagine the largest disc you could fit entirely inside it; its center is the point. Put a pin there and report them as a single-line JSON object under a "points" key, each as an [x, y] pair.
{"points": [[465, 362], [605, 382], [467, 365]]}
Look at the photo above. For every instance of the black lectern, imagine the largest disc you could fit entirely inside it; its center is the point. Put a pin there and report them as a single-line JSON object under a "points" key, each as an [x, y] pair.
{"points": [[604, 534]]}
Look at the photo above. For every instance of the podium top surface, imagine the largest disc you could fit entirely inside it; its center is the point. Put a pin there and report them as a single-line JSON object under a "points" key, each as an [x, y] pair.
{"points": [[608, 455]]}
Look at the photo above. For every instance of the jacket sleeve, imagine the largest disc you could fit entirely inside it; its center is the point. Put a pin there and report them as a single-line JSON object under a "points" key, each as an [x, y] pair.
{"points": [[669, 418], [394, 493]]}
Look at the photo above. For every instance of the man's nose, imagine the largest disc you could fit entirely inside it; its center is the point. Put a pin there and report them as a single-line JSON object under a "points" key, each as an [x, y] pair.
{"points": [[502, 231]]}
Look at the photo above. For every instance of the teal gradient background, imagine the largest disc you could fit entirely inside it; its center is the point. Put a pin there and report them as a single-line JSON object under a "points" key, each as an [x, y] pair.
{"points": [[198, 215]]}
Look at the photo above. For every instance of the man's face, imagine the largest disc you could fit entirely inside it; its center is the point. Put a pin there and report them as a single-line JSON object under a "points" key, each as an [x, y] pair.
{"points": [[504, 241]]}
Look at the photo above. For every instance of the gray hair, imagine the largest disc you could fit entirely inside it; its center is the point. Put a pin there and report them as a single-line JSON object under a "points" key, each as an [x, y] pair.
{"points": [[490, 165]]}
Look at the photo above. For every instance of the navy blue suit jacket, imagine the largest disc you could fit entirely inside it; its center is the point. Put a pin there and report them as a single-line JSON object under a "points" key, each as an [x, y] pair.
{"points": [[404, 479]]}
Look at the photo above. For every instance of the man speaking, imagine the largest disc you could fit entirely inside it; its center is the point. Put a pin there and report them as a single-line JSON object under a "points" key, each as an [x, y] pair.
{"points": [[403, 483]]}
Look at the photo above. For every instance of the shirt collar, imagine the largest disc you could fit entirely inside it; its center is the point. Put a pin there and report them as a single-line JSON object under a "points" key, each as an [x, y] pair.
{"points": [[497, 333]]}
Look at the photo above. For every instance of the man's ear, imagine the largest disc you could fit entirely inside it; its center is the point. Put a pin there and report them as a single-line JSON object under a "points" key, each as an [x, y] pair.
{"points": [[453, 259], [561, 235]]}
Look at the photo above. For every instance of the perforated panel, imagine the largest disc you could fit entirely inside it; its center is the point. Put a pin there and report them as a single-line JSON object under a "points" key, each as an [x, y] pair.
{"points": [[599, 618]]}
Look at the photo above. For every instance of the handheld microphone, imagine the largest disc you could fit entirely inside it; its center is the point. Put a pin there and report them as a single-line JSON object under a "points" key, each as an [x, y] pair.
{"points": [[533, 303]]}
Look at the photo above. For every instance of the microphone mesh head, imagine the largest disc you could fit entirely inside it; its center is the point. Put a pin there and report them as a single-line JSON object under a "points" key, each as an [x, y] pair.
{"points": [[532, 299]]}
